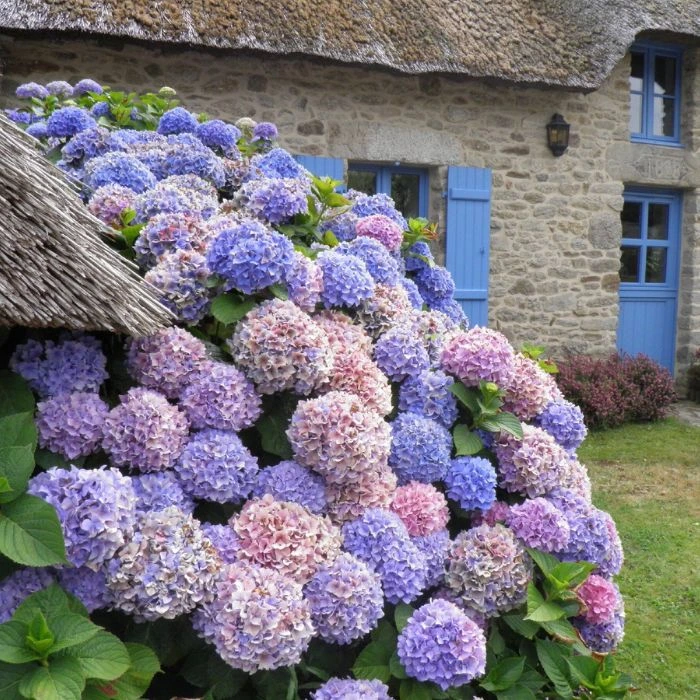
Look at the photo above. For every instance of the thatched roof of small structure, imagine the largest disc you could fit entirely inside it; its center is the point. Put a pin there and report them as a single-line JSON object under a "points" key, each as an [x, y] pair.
{"points": [[571, 43], [55, 270]]}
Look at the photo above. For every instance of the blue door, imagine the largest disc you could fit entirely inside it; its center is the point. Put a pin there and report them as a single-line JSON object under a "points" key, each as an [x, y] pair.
{"points": [[649, 267], [468, 231]]}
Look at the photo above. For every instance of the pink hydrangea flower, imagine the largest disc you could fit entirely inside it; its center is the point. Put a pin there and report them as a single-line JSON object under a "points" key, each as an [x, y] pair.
{"points": [[371, 489], [342, 334], [530, 389], [387, 307], [381, 228], [421, 507], [601, 598]]}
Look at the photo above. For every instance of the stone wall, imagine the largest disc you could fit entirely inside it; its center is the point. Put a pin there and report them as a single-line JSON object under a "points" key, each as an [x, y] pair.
{"points": [[555, 221]]}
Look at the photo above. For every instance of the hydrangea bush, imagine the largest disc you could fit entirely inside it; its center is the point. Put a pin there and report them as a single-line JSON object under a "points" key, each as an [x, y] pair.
{"points": [[322, 482]]}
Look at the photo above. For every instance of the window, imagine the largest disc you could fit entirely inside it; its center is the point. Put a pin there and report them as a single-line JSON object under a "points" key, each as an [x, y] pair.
{"points": [[408, 187], [655, 81]]}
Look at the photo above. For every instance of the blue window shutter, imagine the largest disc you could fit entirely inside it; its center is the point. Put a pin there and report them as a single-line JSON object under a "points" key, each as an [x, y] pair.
{"points": [[324, 167], [468, 229]]}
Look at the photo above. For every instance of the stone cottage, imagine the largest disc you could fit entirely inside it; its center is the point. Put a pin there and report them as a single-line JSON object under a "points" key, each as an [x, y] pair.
{"points": [[444, 105]]}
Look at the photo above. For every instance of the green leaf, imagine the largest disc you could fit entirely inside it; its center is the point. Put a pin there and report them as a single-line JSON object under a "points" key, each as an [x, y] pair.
{"points": [[71, 629], [402, 615], [572, 573], [466, 397], [18, 429], [16, 396], [131, 233], [134, 683], [279, 291], [330, 239], [548, 611], [508, 423], [272, 428], [396, 667], [495, 642], [47, 460], [229, 308], [561, 629], [13, 647], [104, 656], [50, 601], [411, 689], [273, 685], [546, 562], [16, 466], [519, 625], [373, 662], [5, 485], [553, 657], [504, 674], [517, 692], [62, 679], [10, 677], [39, 636], [466, 442], [30, 532], [584, 670]]}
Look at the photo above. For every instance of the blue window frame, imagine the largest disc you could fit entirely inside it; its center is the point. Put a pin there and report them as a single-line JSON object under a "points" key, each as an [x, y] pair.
{"points": [[407, 186], [655, 94]]}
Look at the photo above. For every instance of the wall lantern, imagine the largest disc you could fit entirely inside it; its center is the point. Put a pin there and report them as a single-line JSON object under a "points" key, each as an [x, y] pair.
{"points": [[557, 134]]}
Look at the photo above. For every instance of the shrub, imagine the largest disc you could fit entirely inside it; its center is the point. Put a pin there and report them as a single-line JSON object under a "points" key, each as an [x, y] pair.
{"points": [[616, 389]]}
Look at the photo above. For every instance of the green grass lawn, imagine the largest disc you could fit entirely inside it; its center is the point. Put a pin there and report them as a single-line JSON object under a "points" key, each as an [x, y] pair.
{"points": [[648, 478]]}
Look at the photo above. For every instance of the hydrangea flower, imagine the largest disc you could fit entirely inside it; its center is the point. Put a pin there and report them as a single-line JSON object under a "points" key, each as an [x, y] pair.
{"points": [[471, 482], [418, 257], [18, 585], [73, 364], [160, 490], [18, 116], [564, 421], [87, 144], [184, 154], [166, 233], [400, 354], [219, 396], [216, 466], [452, 309], [440, 644], [224, 540], [530, 389], [539, 524], [96, 509], [373, 488], [420, 449], [264, 131], [379, 263], [68, 121], [335, 436], [101, 109], [177, 193], [60, 88], [346, 281], [387, 307], [180, 282], [38, 130], [348, 689], [412, 292], [304, 280], [381, 228], [479, 354], [88, 586], [165, 570], [289, 481], [435, 329], [342, 226], [87, 85], [421, 507], [118, 169], [497, 513], [344, 336], [346, 600], [177, 121], [274, 199], [435, 548], [219, 136], [370, 204], [166, 361], [250, 257], [428, 394], [381, 540], [602, 637], [435, 284], [144, 431], [277, 163], [107, 203], [71, 424], [601, 599], [488, 569], [257, 618], [279, 348], [26, 91]]}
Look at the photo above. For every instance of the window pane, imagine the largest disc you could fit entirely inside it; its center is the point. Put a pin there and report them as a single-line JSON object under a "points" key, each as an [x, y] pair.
{"points": [[629, 264], [631, 214], [656, 265], [657, 228], [664, 116], [405, 191], [637, 72], [665, 75], [635, 114], [363, 181]]}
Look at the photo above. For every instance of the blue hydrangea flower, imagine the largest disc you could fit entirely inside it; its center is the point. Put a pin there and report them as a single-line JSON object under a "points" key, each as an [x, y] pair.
{"points": [[68, 121], [101, 109], [17, 116], [564, 421], [440, 644], [88, 586], [216, 466], [87, 144], [602, 637], [471, 482], [435, 284], [87, 85], [416, 257], [225, 541], [264, 131], [177, 121], [435, 548], [346, 281], [178, 193], [420, 449], [219, 136], [376, 258], [250, 257], [342, 226], [348, 689], [428, 394], [412, 292], [400, 353], [27, 91], [120, 169], [60, 88], [38, 130], [289, 481], [277, 163], [18, 585], [160, 490], [274, 200], [452, 309], [370, 204], [346, 600]]}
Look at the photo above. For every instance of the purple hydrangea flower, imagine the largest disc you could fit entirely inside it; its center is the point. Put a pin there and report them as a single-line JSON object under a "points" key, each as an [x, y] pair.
{"points": [[420, 449], [107, 203], [250, 257], [435, 283], [178, 193], [400, 353], [435, 548], [452, 309], [539, 524], [289, 481], [18, 585], [346, 600], [220, 396], [602, 637], [144, 431], [224, 540], [375, 256], [381, 228], [27, 91], [88, 586], [277, 163], [185, 154], [412, 292], [74, 363], [160, 490], [68, 121], [216, 466], [428, 394], [304, 280], [101, 109], [118, 169], [17, 116], [38, 130], [96, 508], [219, 136], [371, 204], [177, 121], [274, 199], [471, 482], [348, 689], [342, 226], [418, 257], [87, 85], [264, 131], [346, 280], [71, 424], [564, 421], [59, 88], [442, 645], [87, 144]]}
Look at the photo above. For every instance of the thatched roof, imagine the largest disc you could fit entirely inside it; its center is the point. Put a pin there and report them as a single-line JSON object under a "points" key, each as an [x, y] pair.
{"points": [[55, 271], [572, 43]]}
